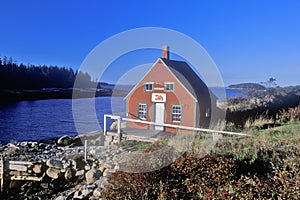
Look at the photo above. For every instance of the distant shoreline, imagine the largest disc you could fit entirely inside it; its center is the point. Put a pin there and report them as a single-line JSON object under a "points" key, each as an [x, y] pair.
{"points": [[56, 93], [8, 95]]}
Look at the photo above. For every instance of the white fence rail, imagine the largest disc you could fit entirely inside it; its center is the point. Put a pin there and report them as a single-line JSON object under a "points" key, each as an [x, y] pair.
{"points": [[119, 119]]}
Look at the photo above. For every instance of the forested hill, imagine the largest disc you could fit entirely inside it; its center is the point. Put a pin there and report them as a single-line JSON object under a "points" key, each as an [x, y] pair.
{"points": [[15, 76], [248, 86]]}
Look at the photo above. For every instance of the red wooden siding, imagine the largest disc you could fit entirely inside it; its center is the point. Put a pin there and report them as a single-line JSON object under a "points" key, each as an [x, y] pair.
{"points": [[159, 74]]}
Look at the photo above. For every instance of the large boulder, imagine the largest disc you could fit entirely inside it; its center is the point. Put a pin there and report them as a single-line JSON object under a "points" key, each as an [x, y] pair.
{"points": [[55, 163], [53, 172], [78, 141], [65, 140], [12, 149], [76, 159]]}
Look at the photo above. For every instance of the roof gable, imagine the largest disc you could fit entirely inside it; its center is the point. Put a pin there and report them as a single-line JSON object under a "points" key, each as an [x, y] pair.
{"points": [[187, 76], [138, 83], [184, 74]]}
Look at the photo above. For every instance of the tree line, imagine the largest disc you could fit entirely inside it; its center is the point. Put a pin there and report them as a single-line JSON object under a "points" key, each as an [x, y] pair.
{"points": [[15, 76]]}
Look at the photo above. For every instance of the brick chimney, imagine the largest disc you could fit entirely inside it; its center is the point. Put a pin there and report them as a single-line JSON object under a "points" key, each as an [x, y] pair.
{"points": [[165, 52]]}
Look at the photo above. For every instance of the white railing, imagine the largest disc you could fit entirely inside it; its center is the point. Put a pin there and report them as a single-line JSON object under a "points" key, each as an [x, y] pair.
{"points": [[118, 118]]}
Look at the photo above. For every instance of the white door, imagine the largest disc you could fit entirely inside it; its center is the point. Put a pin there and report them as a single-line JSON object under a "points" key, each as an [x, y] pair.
{"points": [[159, 115]]}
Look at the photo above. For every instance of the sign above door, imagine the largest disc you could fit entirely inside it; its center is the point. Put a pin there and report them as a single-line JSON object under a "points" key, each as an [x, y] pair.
{"points": [[159, 97]]}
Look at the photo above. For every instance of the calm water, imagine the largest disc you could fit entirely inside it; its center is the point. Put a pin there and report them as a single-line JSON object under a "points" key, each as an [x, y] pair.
{"points": [[47, 119]]}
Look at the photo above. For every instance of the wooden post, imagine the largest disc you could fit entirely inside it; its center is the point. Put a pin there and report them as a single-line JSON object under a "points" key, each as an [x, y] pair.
{"points": [[2, 173], [85, 150], [104, 125], [119, 129]]}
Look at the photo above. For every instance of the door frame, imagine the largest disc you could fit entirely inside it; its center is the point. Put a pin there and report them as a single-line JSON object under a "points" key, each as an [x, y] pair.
{"points": [[154, 115]]}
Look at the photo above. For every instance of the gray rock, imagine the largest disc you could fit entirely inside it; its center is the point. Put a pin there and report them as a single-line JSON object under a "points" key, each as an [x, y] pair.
{"points": [[24, 144], [86, 192], [109, 165], [76, 159], [107, 172], [102, 182], [61, 198], [97, 192], [42, 145], [55, 163], [92, 175], [48, 147], [65, 140], [70, 195], [102, 168], [12, 149], [79, 173], [45, 185], [45, 152], [91, 187], [95, 198], [116, 167], [77, 141], [37, 168], [87, 167], [53, 172], [83, 194], [69, 174], [113, 126], [77, 195], [34, 144]]}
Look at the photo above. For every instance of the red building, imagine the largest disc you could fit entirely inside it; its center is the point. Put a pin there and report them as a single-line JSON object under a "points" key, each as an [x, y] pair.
{"points": [[170, 93]]}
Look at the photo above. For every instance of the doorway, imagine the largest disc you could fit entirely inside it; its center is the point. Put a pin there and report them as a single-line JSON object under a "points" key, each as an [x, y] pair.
{"points": [[159, 115]]}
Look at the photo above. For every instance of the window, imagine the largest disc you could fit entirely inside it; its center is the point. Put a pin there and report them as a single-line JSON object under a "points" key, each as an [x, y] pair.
{"points": [[148, 87], [142, 111], [176, 112], [169, 87]]}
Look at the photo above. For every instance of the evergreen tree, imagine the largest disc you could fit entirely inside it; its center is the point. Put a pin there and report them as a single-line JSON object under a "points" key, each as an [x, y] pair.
{"points": [[14, 76]]}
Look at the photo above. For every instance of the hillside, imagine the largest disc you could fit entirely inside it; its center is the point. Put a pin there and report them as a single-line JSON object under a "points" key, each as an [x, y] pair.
{"points": [[268, 102], [247, 86]]}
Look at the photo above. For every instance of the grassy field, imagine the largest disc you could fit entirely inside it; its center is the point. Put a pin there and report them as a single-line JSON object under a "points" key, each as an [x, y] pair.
{"points": [[264, 165]]}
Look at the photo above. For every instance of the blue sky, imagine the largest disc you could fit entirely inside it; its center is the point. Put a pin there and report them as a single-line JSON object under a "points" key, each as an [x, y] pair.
{"points": [[250, 41]]}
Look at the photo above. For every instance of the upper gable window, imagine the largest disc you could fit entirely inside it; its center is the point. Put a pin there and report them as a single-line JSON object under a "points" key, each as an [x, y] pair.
{"points": [[148, 87], [169, 87]]}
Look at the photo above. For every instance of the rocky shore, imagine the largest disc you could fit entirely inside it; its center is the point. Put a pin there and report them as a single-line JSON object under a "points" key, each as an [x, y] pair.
{"points": [[63, 170]]}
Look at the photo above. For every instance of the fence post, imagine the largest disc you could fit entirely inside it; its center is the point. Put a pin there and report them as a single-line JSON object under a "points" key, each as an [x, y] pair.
{"points": [[104, 125], [3, 173], [119, 129], [85, 150]]}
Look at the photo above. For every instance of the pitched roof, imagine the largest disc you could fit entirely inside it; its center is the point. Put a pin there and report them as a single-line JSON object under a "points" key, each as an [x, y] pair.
{"points": [[187, 76]]}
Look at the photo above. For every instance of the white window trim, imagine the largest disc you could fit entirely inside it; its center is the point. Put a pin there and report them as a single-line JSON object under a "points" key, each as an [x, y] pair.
{"points": [[172, 108], [144, 111], [152, 83], [165, 83]]}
